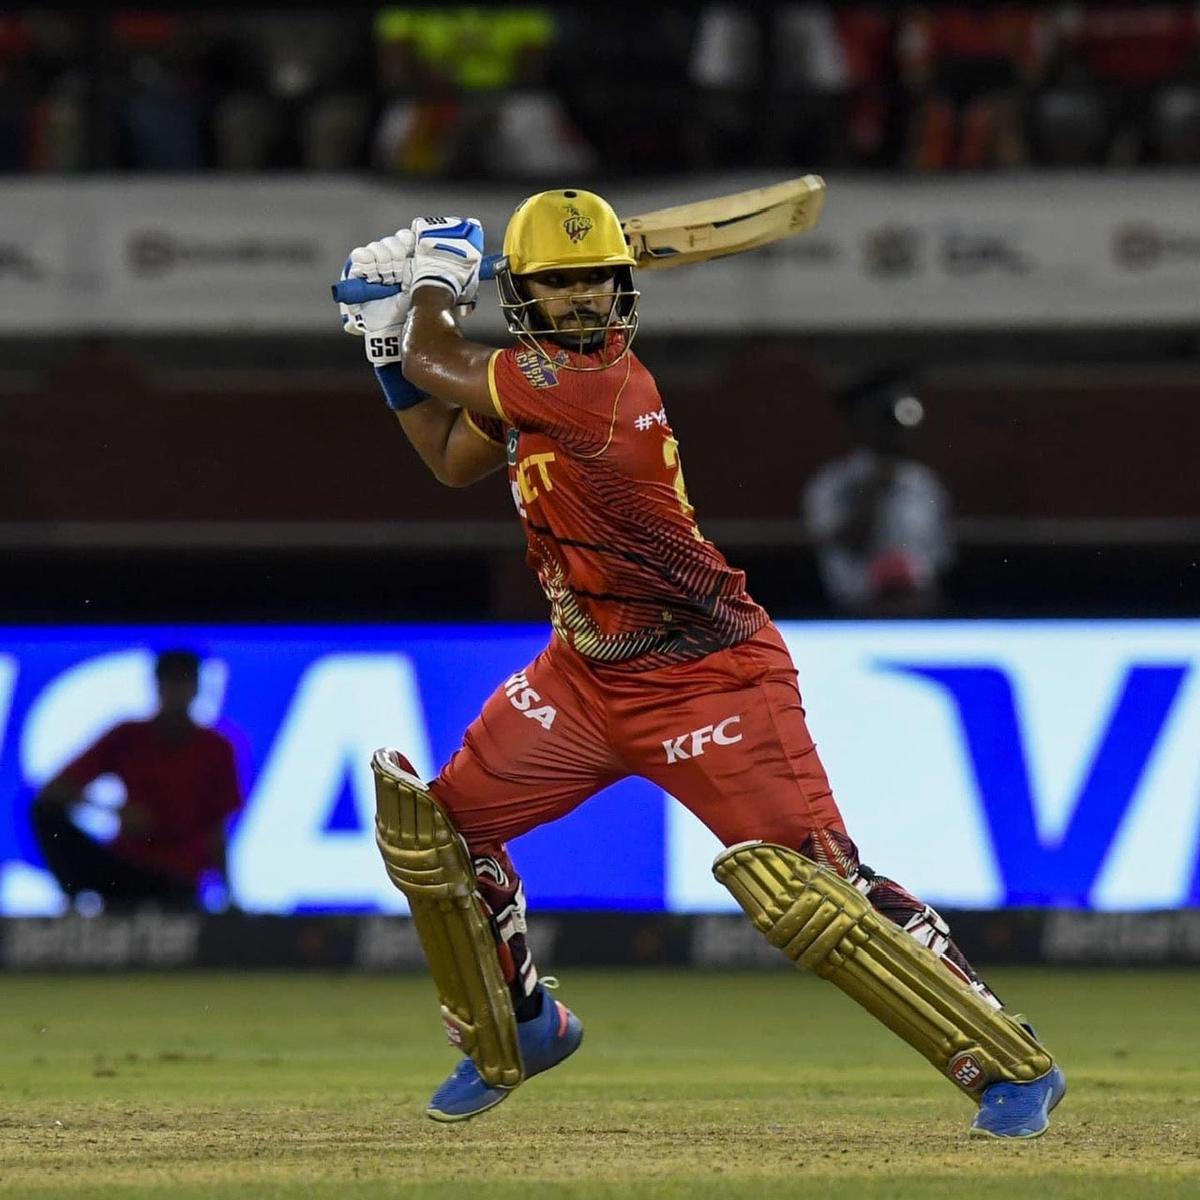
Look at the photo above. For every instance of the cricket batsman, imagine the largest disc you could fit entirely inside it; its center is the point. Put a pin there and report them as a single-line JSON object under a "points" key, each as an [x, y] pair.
{"points": [[660, 665]]}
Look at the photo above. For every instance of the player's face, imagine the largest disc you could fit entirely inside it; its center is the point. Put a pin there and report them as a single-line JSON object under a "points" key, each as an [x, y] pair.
{"points": [[575, 300]]}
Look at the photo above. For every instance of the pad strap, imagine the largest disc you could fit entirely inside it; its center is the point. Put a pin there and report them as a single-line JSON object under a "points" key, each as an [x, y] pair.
{"points": [[824, 923], [427, 859]]}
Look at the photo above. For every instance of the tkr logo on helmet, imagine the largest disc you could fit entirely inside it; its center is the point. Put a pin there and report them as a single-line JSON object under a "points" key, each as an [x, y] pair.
{"points": [[576, 225]]}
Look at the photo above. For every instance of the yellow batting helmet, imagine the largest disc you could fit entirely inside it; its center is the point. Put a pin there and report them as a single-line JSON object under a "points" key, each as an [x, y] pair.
{"points": [[564, 228]]}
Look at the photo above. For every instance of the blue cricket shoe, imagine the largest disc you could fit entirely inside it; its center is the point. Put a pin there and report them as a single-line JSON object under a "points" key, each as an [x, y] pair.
{"points": [[554, 1034], [1019, 1110]]}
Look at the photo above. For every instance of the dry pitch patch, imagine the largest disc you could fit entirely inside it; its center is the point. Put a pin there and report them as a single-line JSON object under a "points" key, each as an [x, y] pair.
{"points": [[686, 1085]]}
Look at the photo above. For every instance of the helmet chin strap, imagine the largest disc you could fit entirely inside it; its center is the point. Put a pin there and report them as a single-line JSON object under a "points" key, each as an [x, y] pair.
{"points": [[581, 345]]}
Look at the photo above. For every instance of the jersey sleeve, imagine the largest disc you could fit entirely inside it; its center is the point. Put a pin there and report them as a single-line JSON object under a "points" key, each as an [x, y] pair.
{"points": [[100, 758], [575, 408], [227, 791], [491, 429]]}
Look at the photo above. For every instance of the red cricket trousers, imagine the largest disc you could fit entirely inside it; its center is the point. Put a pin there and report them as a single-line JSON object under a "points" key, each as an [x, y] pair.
{"points": [[724, 734]]}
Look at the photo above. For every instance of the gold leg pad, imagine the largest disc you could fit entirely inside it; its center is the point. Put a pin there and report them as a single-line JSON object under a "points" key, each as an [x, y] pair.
{"points": [[427, 860], [825, 924]]}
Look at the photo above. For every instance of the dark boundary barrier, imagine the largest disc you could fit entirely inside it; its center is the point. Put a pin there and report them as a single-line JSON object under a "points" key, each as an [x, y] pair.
{"points": [[164, 941]]}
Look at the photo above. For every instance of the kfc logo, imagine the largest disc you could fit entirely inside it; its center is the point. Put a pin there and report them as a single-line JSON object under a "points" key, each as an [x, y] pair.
{"points": [[717, 735]]}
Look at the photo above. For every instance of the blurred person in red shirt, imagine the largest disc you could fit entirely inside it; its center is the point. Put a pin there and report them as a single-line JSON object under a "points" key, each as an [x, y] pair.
{"points": [[967, 69], [1139, 67], [181, 787]]}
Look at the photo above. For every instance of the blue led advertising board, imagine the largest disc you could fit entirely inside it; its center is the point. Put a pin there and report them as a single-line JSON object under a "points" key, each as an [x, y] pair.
{"points": [[983, 764]]}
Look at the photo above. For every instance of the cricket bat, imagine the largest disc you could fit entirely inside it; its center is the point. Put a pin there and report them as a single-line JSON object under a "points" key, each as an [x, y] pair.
{"points": [[692, 233], [686, 233]]}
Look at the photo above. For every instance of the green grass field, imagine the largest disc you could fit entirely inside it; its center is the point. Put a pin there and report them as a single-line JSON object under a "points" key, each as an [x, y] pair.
{"points": [[687, 1085]]}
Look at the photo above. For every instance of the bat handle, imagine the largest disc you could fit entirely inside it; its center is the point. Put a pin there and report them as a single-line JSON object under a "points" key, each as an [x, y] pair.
{"points": [[359, 291]]}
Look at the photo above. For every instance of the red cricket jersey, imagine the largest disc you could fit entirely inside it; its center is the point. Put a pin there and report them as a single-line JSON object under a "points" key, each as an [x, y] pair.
{"points": [[187, 788], [596, 478]]}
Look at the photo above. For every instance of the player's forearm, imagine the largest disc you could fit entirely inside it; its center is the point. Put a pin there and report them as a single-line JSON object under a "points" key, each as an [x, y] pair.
{"points": [[456, 455], [427, 426], [438, 359], [432, 340]]}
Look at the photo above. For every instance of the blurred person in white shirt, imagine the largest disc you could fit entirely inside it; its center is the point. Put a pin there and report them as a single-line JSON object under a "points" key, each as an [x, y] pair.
{"points": [[880, 520]]}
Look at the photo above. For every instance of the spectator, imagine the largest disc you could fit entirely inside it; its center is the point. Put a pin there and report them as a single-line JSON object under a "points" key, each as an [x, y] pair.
{"points": [[158, 108], [244, 120], [803, 83], [41, 86], [1138, 69], [293, 93], [811, 87], [874, 116], [465, 95], [625, 85], [880, 520], [1175, 126], [181, 787], [967, 69], [725, 67]]}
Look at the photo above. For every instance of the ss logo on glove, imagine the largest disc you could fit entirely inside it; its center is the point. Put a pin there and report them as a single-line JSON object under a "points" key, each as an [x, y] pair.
{"points": [[385, 347]]}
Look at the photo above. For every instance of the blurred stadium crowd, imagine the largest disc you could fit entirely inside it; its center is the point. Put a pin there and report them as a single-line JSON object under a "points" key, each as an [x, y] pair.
{"points": [[199, 139], [511, 92]]}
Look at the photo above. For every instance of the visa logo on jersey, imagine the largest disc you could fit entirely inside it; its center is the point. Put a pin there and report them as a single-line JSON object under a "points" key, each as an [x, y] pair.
{"points": [[528, 701]]}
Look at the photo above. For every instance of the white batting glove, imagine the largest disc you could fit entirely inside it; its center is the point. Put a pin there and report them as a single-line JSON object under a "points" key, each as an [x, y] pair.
{"points": [[381, 322], [447, 255]]}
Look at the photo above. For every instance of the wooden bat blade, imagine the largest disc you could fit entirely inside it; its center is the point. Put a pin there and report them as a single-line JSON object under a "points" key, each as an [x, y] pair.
{"points": [[691, 233]]}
